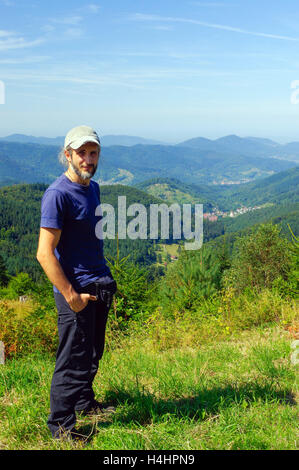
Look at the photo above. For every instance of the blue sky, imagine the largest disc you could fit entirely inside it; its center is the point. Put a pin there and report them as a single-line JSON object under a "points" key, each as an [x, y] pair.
{"points": [[164, 69]]}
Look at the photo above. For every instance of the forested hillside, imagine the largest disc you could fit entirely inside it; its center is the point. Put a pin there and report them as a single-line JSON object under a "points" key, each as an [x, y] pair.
{"points": [[38, 163], [20, 218], [283, 187], [28, 163], [19, 222], [173, 190]]}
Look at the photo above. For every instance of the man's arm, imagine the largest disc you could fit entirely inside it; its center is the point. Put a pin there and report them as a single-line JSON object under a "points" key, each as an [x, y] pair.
{"points": [[48, 240]]}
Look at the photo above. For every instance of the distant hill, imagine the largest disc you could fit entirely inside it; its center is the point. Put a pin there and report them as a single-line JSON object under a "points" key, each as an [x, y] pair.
{"points": [[263, 141], [128, 141], [233, 144], [189, 164], [250, 146], [201, 143], [285, 213], [28, 163], [30, 139], [38, 163], [281, 188], [106, 140], [13, 172], [171, 190]]}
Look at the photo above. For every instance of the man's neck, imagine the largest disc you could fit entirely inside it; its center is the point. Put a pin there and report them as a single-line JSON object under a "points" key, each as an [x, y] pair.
{"points": [[72, 176]]}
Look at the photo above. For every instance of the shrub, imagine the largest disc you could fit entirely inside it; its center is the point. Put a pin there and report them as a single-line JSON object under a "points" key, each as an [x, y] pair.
{"points": [[259, 259], [223, 315], [21, 284], [254, 308], [132, 290], [24, 330], [194, 277]]}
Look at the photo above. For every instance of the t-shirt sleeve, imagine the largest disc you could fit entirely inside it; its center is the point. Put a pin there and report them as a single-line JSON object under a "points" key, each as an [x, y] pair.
{"points": [[52, 209]]}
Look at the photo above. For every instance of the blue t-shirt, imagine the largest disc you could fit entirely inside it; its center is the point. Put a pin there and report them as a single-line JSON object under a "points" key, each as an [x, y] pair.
{"points": [[71, 207]]}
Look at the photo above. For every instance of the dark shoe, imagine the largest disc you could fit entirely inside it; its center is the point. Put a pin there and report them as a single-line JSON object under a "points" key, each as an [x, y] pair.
{"points": [[70, 435], [98, 408]]}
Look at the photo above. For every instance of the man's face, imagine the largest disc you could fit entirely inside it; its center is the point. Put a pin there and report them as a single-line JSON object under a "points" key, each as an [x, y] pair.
{"points": [[84, 160]]}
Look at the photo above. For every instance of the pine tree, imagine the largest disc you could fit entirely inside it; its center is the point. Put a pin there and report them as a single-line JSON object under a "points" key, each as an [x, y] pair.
{"points": [[4, 277], [293, 277], [194, 277]]}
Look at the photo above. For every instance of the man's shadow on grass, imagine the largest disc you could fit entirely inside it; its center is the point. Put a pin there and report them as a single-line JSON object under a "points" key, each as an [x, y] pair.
{"points": [[141, 406]]}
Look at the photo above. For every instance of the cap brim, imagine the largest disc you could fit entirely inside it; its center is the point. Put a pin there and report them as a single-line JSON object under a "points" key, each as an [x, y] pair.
{"points": [[84, 140]]}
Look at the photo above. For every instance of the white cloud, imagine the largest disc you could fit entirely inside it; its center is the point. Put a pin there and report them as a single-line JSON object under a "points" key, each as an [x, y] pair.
{"points": [[68, 20], [131, 79], [24, 60], [71, 22], [12, 41], [73, 32], [155, 18], [68, 27], [93, 7], [48, 28], [6, 34]]}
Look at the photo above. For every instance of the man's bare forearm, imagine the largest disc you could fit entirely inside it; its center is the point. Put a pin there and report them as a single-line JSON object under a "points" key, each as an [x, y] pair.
{"points": [[56, 276]]}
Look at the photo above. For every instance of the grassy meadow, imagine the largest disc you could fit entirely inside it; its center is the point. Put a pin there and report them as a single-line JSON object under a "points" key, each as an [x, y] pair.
{"points": [[176, 385]]}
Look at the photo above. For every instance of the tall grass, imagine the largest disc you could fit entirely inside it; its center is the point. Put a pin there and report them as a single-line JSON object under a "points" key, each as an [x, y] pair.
{"points": [[221, 316], [233, 394]]}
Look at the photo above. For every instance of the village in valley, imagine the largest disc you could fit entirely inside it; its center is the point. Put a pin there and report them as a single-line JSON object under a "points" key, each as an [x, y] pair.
{"points": [[217, 213]]}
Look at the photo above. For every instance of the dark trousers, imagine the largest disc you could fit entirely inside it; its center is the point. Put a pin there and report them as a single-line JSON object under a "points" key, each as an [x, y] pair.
{"points": [[81, 346]]}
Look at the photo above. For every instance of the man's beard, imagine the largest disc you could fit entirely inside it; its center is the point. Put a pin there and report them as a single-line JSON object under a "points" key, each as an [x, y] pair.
{"points": [[85, 175]]}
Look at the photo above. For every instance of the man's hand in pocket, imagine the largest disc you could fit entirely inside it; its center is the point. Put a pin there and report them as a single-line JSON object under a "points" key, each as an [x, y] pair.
{"points": [[78, 302]]}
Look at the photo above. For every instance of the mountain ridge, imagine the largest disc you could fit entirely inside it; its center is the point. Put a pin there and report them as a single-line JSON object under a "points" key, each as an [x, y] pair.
{"points": [[106, 140], [246, 146], [39, 163]]}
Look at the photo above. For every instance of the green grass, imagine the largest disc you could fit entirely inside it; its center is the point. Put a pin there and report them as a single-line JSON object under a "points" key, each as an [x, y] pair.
{"points": [[239, 393]]}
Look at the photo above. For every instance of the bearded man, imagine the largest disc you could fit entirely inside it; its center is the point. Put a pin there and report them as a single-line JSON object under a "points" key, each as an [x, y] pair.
{"points": [[72, 257]]}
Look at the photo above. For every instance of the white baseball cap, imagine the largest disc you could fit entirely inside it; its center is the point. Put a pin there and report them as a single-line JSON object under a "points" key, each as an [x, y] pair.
{"points": [[81, 135]]}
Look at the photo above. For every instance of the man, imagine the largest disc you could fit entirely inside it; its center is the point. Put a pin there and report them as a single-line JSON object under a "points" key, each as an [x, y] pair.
{"points": [[72, 258]]}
